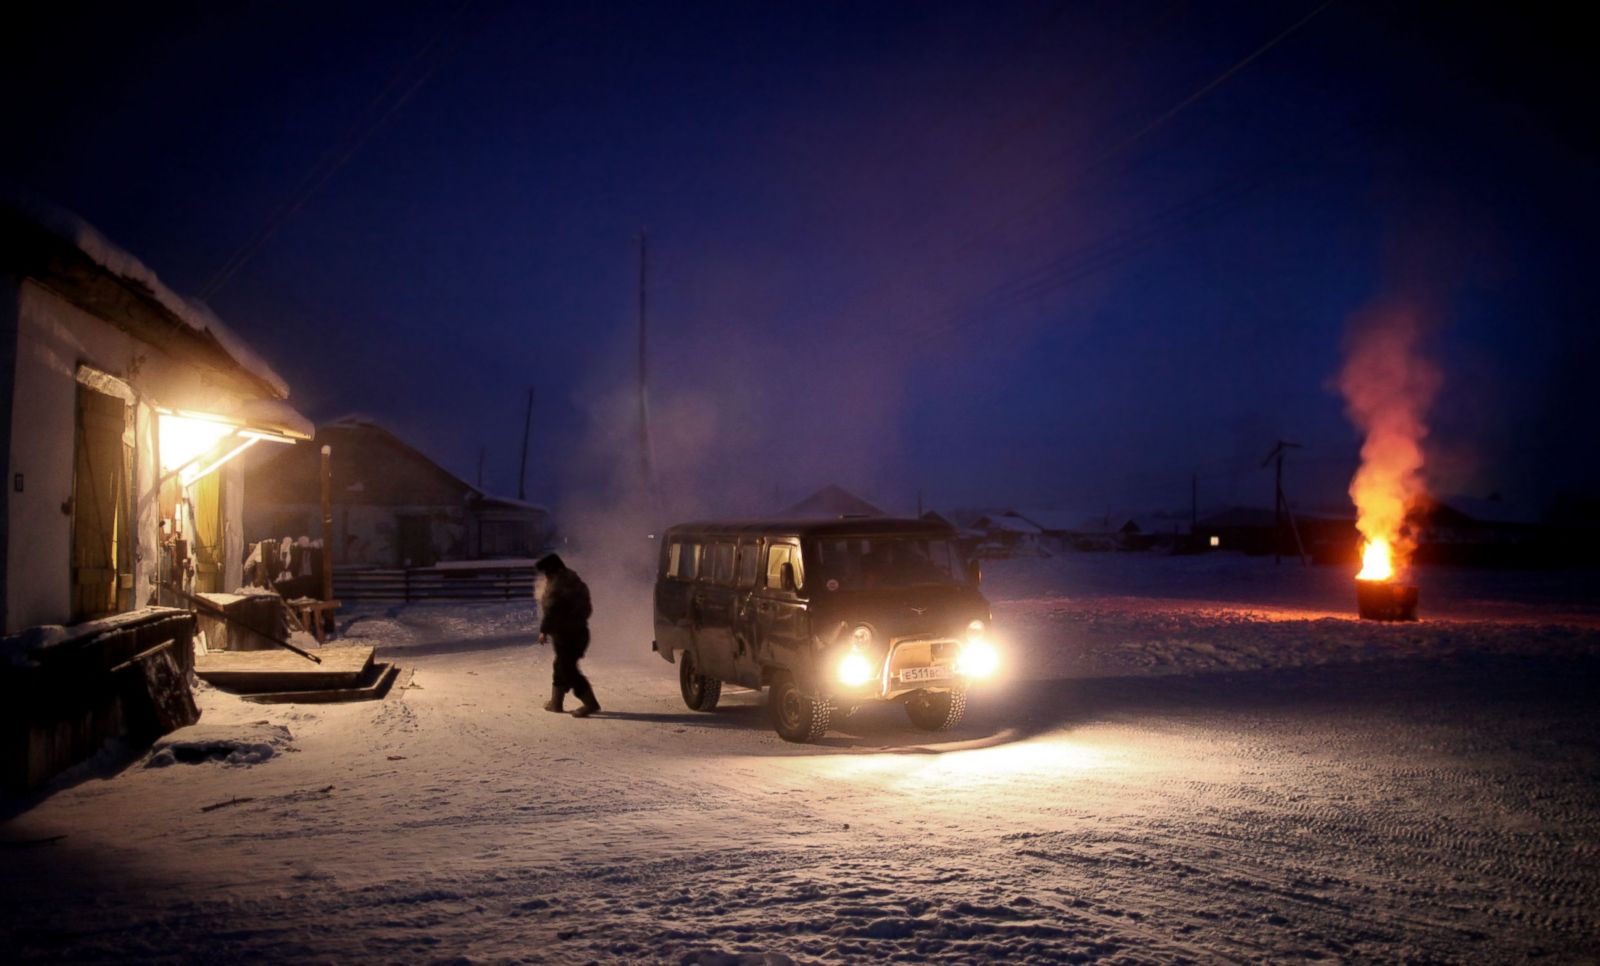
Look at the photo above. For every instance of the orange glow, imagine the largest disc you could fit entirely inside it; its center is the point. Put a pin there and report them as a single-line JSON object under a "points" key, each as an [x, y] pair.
{"points": [[186, 438], [1377, 561], [1388, 387]]}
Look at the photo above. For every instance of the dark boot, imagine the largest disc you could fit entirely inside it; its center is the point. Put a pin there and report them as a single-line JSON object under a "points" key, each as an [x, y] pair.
{"points": [[586, 695], [557, 695]]}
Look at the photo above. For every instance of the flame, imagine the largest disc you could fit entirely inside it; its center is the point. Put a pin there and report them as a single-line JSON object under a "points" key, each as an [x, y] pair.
{"points": [[1377, 561], [1388, 387]]}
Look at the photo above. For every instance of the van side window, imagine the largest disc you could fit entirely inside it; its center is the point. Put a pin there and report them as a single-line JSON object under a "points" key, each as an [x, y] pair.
{"points": [[684, 562], [749, 564], [722, 558], [779, 554]]}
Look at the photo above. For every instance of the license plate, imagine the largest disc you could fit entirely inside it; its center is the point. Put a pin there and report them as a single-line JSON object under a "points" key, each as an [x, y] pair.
{"points": [[924, 674]]}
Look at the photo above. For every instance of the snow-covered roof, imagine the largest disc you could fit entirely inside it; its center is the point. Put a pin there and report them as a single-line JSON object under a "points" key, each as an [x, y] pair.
{"points": [[832, 501], [116, 261], [274, 414], [1008, 522], [360, 422]]}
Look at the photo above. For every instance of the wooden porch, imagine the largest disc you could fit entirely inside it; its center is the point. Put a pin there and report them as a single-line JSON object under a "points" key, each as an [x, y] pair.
{"points": [[346, 673]]}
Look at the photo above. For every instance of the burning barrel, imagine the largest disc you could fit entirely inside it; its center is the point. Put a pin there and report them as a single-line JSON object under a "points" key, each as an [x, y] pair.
{"points": [[1379, 597], [1386, 600]]}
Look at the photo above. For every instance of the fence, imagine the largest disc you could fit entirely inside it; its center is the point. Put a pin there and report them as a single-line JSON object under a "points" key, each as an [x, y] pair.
{"points": [[435, 583]]}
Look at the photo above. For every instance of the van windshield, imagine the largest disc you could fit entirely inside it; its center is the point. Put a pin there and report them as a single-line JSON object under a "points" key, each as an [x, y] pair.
{"points": [[868, 563]]}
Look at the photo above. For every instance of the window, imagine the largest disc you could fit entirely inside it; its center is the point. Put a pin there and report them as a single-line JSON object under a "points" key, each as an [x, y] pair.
{"points": [[779, 554], [722, 559], [683, 560], [749, 564], [899, 561]]}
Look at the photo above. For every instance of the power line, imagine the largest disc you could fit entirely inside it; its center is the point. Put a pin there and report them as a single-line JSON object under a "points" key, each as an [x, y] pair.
{"points": [[1059, 273], [375, 116]]}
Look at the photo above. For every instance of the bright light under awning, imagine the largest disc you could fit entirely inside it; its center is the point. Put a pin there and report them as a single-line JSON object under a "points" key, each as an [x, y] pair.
{"points": [[185, 438], [193, 445]]}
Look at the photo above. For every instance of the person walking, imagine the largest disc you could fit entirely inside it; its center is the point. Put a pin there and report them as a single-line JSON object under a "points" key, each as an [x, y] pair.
{"points": [[564, 610]]}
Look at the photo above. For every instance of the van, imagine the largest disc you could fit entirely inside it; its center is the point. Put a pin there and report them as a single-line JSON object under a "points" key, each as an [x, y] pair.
{"points": [[827, 615]]}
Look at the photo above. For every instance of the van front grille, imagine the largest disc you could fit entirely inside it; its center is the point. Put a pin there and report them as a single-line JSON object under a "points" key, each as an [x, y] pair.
{"points": [[919, 653]]}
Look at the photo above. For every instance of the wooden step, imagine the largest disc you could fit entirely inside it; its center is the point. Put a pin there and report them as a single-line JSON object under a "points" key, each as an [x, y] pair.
{"points": [[377, 683], [265, 672]]}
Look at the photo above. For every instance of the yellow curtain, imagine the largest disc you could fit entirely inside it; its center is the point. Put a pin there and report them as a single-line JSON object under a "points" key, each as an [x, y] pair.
{"points": [[207, 495]]}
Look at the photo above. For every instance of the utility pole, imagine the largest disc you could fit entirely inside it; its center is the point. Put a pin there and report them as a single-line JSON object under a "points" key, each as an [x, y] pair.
{"points": [[327, 526], [1281, 506], [522, 468], [645, 462], [480, 467]]}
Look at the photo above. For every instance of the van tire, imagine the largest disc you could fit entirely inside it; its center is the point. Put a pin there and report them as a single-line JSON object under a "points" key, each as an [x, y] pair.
{"points": [[797, 716], [936, 710], [700, 691]]}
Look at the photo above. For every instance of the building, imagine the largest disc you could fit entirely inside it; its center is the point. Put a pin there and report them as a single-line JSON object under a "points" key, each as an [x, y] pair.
{"points": [[1324, 536], [832, 501], [126, 406], [392, 505], [1007, 534]]}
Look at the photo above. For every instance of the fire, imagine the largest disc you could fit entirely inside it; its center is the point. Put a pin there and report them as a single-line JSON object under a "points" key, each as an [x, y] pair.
{"points": [[1377, 561], [1388, 386]]}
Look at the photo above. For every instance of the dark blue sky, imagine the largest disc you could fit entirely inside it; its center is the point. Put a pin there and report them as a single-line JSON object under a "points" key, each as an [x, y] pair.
{"points": [[996, 252]]}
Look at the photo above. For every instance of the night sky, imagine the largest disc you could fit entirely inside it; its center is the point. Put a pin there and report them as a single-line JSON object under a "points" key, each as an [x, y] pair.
{"points": [[1037, 254]]}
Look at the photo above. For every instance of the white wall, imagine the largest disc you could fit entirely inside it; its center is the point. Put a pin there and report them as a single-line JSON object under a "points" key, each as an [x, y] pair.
{"points": [[53, 338]]}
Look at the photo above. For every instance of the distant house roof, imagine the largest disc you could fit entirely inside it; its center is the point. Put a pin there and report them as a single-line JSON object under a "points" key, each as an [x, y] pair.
{"points": [[1006, 521], [833, 501], [396, 469]]}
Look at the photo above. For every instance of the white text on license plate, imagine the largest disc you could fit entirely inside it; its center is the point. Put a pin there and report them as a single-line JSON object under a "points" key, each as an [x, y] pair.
{"points": [[924, 674]]}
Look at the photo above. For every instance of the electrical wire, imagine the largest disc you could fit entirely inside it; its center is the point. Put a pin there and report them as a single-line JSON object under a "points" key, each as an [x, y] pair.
{"points": [[376, 115]]}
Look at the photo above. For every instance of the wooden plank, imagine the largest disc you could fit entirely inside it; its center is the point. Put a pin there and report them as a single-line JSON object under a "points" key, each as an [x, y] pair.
{"points": [[265, 671], [373, 686]]}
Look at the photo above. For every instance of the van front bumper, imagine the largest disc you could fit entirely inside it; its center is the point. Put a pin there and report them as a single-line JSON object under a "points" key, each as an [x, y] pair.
{"points": [[911, 664]]}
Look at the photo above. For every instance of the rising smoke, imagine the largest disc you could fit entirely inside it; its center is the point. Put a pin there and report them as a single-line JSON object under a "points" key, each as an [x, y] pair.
{"points": [[1388, 386]]}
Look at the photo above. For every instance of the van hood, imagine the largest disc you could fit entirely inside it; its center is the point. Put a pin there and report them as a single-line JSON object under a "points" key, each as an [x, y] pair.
{"points": [[942, 610]]}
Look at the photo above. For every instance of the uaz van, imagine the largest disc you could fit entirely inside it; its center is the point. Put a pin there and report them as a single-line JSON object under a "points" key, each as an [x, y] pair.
{"points": [[827, 614]]}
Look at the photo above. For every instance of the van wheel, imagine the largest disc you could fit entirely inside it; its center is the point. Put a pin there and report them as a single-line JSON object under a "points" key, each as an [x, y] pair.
{"points": [[797, 716], [936, 710], [700, 691]]}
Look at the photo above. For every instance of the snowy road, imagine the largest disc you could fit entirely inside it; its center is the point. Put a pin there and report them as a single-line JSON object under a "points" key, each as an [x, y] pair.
{"points": [[1164, 777]]}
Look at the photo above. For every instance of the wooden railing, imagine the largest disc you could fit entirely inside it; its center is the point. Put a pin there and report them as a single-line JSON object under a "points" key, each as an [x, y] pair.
{"points": [[434, 583]]}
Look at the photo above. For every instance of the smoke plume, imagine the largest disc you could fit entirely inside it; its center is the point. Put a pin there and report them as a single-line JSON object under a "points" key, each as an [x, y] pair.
{"points": [[1388, 386]]}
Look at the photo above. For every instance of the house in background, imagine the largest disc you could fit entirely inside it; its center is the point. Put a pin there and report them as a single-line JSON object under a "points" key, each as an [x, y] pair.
{"points": [[967, 539], [125, 407], [1325, 536], [832, 501], [1007, 533], [392, 505]]}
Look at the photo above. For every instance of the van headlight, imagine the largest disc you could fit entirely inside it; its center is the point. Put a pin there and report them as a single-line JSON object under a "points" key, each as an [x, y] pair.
{"points": [[854, 669], [978, 658]]}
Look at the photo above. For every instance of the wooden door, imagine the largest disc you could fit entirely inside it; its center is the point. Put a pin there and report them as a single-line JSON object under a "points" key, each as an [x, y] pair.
{"points": [[101, 477]]}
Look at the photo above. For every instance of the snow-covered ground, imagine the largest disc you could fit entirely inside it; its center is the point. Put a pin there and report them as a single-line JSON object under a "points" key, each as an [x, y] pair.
{"points": [[1189, 759]]}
